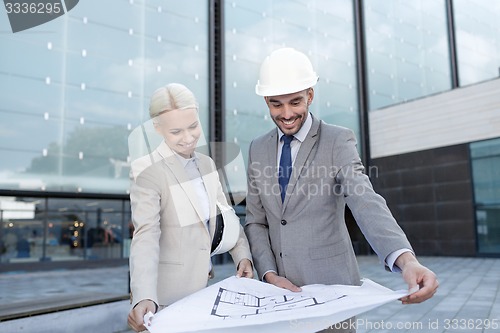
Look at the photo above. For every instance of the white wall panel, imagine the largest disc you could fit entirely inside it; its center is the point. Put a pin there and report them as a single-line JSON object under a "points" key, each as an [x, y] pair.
{"points": [[458, 116]]}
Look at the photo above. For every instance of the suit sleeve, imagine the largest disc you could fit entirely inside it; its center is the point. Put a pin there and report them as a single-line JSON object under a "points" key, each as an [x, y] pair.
{"points": [[256, 226], [369, 208], [145, 197]]}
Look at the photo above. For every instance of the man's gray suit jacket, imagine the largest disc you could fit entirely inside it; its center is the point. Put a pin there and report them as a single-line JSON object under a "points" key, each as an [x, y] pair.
{"points": [[305, 239]]}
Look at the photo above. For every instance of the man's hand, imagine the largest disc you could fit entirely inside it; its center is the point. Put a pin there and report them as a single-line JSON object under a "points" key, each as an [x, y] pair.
{"points": [[281, 282], [136, 315], [417, 276], [245, 269]]}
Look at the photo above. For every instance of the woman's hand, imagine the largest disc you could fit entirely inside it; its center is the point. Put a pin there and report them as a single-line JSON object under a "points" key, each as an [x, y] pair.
{"points": [[245, 269], [136, 315]]}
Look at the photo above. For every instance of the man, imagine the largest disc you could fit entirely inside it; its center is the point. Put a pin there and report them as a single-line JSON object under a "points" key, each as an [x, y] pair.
{"points": [[295, 220]]}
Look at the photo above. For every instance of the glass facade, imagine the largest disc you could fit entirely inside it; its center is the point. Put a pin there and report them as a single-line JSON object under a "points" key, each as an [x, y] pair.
{"points": [[485, 159], [478, 40], [75, 94], [324, 30], [73, 89], [407, 50], [43, 229]]}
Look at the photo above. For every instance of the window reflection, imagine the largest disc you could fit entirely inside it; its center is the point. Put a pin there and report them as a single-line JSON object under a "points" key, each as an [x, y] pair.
{"points": [[478, 40], [407, 50], [485, 157], [41, 229], [322, 29], [74, 88]]}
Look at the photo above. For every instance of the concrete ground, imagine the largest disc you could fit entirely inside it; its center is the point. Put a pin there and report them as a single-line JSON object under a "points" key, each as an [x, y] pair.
{"points": [[468, 299]]}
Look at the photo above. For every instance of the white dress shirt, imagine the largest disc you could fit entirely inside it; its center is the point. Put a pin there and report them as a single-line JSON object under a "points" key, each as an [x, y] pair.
{"points": [[193, 173]]}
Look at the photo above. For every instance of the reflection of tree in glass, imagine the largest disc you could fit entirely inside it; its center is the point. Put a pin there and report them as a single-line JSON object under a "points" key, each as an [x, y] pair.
{"points": [[97, 151]]}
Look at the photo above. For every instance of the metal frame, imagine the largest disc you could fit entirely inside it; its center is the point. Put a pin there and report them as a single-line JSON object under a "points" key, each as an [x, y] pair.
{"points": [[361, 78], [452, 44]]}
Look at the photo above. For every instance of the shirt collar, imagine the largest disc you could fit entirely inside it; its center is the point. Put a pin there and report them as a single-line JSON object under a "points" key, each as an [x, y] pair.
{"points": [[302, 133], [185, 161]]}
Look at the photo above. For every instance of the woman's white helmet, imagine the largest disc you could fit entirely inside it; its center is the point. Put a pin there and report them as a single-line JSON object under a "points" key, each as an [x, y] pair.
{"points": [[285, 71]]}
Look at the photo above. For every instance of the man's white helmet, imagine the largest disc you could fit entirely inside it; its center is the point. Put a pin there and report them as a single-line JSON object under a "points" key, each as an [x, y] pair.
{"points": [[285, 71]]}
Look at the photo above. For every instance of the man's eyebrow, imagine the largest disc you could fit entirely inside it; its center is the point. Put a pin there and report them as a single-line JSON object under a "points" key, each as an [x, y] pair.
{"points": [[296, 99]]}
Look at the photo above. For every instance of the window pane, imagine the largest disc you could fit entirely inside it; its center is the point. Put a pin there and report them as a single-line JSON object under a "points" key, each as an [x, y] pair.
{"points": [[407, 50], [65, 229], [74, 88], [21, 229], [485, 156], [478, 40], [324, 30]]}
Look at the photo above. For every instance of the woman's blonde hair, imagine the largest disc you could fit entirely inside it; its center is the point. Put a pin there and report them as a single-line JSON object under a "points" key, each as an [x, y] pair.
{"points": [[171, 97]]}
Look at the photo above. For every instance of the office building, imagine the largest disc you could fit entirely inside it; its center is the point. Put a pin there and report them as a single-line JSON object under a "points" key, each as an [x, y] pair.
{"points": [[416, 80]]}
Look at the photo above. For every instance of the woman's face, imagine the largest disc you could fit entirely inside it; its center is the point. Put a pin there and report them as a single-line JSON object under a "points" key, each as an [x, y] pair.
{"points": [[181, 130]]}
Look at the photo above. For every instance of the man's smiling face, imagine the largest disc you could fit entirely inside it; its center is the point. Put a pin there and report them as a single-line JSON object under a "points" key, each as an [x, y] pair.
{"points": [[289, 112]]}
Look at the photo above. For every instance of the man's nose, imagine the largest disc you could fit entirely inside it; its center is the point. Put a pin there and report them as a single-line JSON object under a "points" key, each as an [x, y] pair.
{"points": [[287, 112]]}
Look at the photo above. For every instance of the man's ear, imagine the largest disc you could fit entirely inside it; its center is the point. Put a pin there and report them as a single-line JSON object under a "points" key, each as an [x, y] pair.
{"points": [[310, 96]]}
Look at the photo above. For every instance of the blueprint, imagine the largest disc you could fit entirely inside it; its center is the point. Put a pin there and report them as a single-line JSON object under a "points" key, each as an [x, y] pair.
{"points": [[234, 304], [248, 305]]}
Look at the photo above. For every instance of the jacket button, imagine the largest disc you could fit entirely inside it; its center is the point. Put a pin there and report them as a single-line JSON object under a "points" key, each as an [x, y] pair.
{"points": [[283, 222]]}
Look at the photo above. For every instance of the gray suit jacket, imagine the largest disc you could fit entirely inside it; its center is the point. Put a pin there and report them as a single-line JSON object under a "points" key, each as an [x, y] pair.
{"points": [[305, 239]]}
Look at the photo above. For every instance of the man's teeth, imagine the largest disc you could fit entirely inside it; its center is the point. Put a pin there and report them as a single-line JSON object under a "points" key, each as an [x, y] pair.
{"points": [[288, 122]]}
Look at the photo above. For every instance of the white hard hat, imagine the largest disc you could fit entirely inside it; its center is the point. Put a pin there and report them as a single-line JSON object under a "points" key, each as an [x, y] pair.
{"points": [[227, 230], [285, 71]]}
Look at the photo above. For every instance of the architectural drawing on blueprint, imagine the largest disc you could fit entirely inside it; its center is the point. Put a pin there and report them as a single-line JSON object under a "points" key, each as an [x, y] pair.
{"points": [[249, 305], [233, 304]]}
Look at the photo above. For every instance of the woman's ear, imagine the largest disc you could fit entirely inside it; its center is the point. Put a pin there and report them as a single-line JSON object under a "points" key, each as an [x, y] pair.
{"points": [[157, 127]]}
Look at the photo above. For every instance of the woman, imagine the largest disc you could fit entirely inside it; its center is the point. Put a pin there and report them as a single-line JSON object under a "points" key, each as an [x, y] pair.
{"points": [[173, 198]]}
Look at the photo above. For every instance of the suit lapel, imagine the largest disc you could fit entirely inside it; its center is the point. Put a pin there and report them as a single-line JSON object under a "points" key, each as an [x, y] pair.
{"points": [[180, 174], [272, 160], [304, 152]]}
